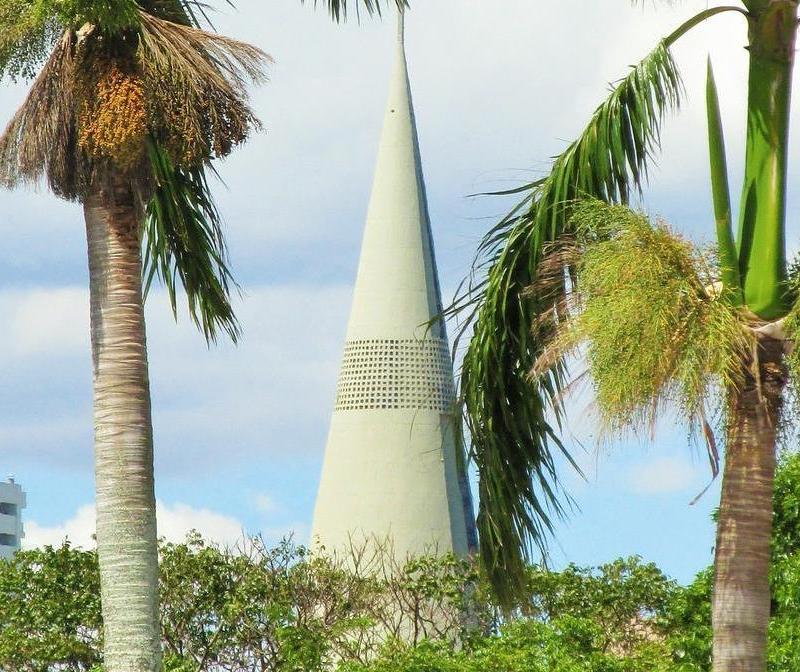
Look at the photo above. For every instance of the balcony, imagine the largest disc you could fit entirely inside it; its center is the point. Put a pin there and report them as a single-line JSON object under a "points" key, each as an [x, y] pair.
{"points": [[8, 524]]}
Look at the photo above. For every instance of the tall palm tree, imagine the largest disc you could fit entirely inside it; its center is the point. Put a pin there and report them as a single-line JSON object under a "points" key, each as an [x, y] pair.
{"points": [[656, 320], [132, 104]]}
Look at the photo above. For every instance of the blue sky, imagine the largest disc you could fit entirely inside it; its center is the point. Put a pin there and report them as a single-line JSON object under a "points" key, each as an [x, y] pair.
{"points": [[240, 431]]}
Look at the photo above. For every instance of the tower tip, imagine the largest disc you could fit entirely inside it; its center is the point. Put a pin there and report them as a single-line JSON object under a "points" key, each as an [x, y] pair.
{"points": [[401, 26]]}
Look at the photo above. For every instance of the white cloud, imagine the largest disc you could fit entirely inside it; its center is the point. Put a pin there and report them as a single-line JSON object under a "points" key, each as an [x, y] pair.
{"points": [[174, 523], [272, 392], [663, 475], [78, 530], [44, 321]]}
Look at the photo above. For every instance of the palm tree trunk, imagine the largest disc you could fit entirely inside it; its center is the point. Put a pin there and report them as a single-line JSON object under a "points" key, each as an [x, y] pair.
{"points": [[741, 600], [126, 518]]}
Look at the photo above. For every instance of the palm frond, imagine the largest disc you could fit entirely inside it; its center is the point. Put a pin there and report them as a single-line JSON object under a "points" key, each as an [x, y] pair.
{"points": [[338, 9], [183, 242], [645, 296], [198, 93], [40, 139], [514, 442], [513, 420], [721, 192]]}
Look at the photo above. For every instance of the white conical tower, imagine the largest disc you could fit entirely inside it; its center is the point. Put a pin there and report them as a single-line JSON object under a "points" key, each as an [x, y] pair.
{"points": [[390, 466]]}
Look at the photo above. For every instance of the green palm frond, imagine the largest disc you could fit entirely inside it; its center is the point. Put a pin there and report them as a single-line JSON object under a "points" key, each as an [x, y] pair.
{"points": [[720, 191], [513, 419], [338, 8], [183, 241], [514, 443], [199, 92]]}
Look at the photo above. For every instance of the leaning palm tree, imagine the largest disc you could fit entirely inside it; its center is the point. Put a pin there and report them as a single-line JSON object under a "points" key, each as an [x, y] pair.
{"points": [[133, 103], [658, 323]]}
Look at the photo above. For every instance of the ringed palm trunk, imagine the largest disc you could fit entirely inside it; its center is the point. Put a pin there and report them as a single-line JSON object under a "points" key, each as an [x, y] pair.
{"points": [[741, 599], [126, 518]]}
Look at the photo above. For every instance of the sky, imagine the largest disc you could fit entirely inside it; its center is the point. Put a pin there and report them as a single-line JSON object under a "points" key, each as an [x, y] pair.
{"points": [[240, 430]]}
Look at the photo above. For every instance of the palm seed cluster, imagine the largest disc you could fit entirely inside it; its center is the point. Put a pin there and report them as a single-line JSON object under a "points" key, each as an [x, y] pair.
{"points": [[113, 119]]}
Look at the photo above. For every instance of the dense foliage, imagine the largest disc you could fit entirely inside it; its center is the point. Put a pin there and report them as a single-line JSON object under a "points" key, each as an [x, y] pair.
{"points": [[261, 609]]}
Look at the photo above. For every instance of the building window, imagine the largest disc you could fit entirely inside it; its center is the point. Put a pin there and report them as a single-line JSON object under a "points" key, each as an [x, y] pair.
{"points": [[8, 509], [8, 540]]}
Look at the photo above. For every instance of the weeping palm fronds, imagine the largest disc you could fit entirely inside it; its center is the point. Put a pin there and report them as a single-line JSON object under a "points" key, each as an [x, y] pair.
{"points": [[183, 238], [197, 82], [154, 108], [646, 297], [42, 137], [513, 442]]}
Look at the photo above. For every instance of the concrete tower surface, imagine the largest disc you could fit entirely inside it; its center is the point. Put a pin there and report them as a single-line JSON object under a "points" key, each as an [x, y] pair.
{"points": [[390, 469], [12, 501]]}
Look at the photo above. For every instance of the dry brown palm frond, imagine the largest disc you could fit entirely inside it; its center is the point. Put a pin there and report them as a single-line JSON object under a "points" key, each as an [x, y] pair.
{"points": [[554, 286], [41, 138], [551, 273], [196, 83], [554, 326], [564, 342]]}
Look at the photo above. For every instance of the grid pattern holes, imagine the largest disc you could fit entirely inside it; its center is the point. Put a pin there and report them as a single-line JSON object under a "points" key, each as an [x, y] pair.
{"points": [[396, 374]]}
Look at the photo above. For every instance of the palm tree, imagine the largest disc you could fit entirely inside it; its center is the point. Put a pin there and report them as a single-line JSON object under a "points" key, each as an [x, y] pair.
{"points": [[133, 103], [572, 267]]}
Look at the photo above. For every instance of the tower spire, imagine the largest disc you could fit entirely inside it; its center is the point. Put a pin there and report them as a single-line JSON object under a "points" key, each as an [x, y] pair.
{"points": [[391, 467], [401, 27]]}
